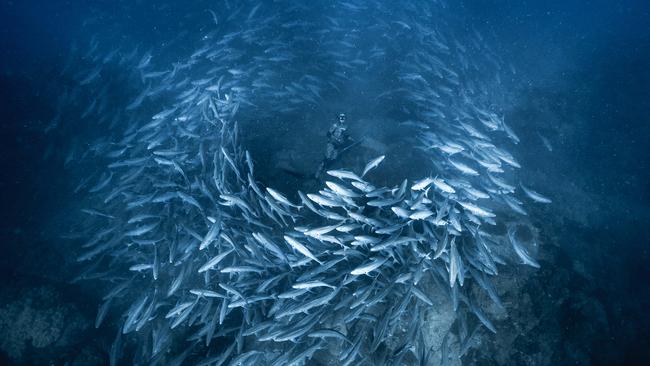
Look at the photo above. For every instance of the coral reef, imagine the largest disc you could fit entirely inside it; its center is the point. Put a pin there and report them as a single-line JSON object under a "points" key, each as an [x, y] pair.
{"points": [[36, 322]]}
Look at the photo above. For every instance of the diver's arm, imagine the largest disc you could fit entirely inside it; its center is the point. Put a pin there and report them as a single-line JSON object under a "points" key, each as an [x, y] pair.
{"points": [[330, 132]]}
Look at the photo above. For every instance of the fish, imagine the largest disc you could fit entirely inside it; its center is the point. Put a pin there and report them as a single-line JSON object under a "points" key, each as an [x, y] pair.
{"points": [[454, 264], [301, 248], [443, 186], [341, 191], [206, 293], [211, 235], [421, 295], [214, 261], [280, 198], [534, 195], [366, 268], [463, 168], [344, 174], [401, 212], [546, 142], [324, 201], [420, 215], [521, 252], [422, 184], [476, 210], [94, 212], [103, 183], [311, 284], [141, 230], [178, 309], [372, 164], [272, 247], [328, 333]]}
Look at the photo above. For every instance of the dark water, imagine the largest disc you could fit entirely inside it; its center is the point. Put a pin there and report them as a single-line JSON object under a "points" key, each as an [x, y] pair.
{"points": [[582, 82]]}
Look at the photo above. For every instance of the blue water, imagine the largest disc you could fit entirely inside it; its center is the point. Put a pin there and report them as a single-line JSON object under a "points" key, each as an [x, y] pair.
{"points": [[581, 82]]}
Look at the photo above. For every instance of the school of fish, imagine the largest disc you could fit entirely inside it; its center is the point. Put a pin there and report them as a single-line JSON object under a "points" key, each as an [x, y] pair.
{"points": [[204, 264]]}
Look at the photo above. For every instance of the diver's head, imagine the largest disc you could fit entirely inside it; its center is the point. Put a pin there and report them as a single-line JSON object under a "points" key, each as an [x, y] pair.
{"points": [[342, 118]]}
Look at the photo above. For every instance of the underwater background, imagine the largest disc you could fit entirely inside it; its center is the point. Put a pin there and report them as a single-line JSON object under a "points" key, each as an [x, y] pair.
{"points": [[571, 82]]}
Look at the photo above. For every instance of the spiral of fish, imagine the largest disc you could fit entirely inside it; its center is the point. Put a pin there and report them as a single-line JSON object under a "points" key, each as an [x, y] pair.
{"points": [[209, 266]]}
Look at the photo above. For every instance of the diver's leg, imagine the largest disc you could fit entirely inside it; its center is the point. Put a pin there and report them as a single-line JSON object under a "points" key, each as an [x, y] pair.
{"points": [[330, 155]]}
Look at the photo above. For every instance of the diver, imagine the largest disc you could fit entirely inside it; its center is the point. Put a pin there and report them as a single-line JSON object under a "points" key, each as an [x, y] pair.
{"points": [[337, 138]]}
